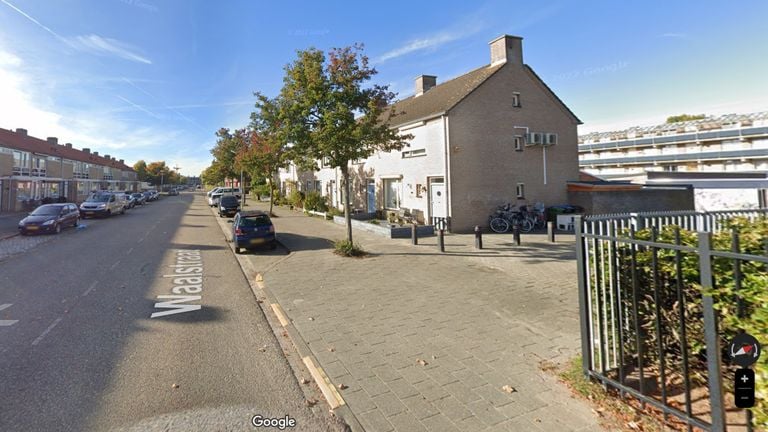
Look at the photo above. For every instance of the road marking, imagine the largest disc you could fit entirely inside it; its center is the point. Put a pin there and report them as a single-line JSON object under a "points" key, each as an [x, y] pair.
{"points": [[187, 279], [114, 265], [129, 251], [141, 239], [280, 314], [50, 327], [7, 323], [329, 391], [93, 285]]}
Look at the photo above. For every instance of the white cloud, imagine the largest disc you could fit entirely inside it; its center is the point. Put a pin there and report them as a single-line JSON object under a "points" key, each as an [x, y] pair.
{"points": [[107, 46], [467, 28]]}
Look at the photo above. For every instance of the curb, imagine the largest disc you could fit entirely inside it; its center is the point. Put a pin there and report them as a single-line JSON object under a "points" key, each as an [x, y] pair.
{"points": [[332, 397], [9, 236]]}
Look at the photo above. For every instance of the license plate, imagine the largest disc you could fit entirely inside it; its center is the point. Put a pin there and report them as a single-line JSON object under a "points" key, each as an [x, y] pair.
{"points": [[89, 213], [257, 241], [31, 228]]}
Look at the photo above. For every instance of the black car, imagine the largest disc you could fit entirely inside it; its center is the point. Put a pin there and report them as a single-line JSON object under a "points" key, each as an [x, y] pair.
{"points": [[229, 205], [50, 218]]}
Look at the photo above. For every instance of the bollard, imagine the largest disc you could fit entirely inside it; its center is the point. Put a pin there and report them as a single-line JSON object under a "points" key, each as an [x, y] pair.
{"points": [[441, 240], [414, 235], [516, 233], [551, 231], [478, 238]]}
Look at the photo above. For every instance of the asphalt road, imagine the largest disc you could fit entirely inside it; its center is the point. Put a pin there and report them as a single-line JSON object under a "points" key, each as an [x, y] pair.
{"points": [[80, 351]]}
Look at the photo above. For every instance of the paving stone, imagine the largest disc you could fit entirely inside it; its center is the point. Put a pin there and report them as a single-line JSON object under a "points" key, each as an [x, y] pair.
{"points": [[389, 404], [374, 421], [419, 407], [471, 424], [492, 395], [469, 378], [413, 374], [439, 423], [452, 408], [431, 390], [358, 400], [359, 370], [373, 386], [406, 422], [461, 392], [386, 373], [486, 412], [402, 388]]}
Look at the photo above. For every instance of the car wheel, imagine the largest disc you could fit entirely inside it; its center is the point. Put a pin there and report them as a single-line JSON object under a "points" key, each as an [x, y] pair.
{"points": [[57, 228], [109, 213], [238, 250], [77, 222]]}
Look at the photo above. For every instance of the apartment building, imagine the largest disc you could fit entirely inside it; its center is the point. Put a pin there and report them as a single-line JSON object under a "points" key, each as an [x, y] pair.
{"points": [[494, 135], [729, 143], [32, 169]]}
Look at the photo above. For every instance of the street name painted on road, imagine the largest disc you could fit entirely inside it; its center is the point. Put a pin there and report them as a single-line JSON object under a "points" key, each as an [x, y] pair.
{"points": [[6, 323], [187, 279]]}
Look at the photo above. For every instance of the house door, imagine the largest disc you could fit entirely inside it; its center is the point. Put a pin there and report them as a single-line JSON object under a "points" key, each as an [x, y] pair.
{"points": [[437, 198], [371, 194]]}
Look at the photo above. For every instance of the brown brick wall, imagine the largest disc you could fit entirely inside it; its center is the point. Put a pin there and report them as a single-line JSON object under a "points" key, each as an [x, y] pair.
{"points": [[484, 166], [6, 164]]}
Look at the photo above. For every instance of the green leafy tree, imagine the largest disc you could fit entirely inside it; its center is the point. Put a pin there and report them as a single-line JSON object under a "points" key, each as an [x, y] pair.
{"points": [[329, 114], [213, 175], [228, 146], [685, 118], [141, 170]]}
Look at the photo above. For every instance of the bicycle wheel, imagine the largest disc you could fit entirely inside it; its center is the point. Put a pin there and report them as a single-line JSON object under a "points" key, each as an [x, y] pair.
{"points": [[499, 225], [525, 225]]}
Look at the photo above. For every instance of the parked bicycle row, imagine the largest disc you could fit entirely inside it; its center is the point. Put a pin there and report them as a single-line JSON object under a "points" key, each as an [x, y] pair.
{"points": [[52, 218], [526, 218]]}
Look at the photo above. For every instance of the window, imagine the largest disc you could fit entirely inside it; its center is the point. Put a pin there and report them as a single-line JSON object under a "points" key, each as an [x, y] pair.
{"points": [[326, 162], [516, 100], [319, 186], [392, 193], [520, 190], [518, 143], [309, 185], [414, 153]]}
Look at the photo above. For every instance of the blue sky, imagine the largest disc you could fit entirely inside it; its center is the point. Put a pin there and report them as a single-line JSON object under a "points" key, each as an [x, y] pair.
{"points": [[153, 80]]}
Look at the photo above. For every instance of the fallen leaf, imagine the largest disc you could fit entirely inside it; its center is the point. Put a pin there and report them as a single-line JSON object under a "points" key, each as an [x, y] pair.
{"points": [[332, 349], [422, 362], [304, 381], [311, 319], [538, 420], [174, 385], [509, 389], [310, 402], [597, 413], [343, 387]]}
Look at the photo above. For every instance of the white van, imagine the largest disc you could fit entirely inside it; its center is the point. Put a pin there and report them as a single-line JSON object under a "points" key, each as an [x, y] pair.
{"points": [[213, 198]]}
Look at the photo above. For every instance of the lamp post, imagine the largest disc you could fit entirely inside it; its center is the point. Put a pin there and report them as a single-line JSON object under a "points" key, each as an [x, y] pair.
{"points": [[178, 177]]}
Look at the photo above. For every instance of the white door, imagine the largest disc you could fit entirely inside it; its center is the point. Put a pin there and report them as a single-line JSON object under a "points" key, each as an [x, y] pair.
{"points": [[437, 200]]}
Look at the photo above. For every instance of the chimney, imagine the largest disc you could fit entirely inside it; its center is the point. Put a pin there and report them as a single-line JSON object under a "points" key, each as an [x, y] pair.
{"points": [[53, 140], [424, 83], [122, 161], [86, 150], [506, 49], [95, 153], [106, 156], [68, 145], [21, 131]]}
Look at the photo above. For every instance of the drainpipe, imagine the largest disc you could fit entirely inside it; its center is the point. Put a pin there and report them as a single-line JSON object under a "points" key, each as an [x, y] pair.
{"points": [[447, 179]]}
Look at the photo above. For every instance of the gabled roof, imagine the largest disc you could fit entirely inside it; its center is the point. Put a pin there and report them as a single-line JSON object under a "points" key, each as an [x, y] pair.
{"points": [[441, 97], [549, 90], [20, 141]]}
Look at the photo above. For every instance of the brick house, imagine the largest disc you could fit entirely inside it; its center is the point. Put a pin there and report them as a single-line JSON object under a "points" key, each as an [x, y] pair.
{"points": [[32, 169], [494, 135]]}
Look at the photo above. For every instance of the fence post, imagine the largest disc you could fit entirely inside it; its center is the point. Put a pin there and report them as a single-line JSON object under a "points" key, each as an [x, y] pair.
{"points": [[581, 276], [516, 233], [711, 335], [478, 237], [441, 240], [551, 231], [414, 235]]}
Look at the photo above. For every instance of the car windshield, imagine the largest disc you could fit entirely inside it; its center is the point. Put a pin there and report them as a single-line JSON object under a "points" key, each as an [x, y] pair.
{"points": [[255, 221], [98, 198], [47, 211], [228, 200], [137, 195]]}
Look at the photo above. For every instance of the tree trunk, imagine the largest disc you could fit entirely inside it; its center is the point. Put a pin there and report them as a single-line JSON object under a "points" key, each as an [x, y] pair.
{"points": [[271, 194], [347, 204]]}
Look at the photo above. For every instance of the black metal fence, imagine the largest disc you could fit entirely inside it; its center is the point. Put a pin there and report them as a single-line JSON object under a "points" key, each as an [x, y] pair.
{"points": [[644, 330]]}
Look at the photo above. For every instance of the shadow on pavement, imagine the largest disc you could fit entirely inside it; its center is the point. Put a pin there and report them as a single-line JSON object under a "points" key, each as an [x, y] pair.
{"points": [[195, 246], [295, 242]]}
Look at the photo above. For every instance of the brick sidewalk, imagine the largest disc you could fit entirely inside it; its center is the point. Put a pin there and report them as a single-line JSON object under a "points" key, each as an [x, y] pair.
{"points": [[481, 320]]}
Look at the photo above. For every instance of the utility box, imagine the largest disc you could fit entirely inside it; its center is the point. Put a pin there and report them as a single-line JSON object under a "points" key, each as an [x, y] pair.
{"points": [[565, 222]]}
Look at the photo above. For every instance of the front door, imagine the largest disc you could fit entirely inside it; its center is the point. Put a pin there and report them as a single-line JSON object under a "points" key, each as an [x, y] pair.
{"points": [[437, 198], [371, 194]]}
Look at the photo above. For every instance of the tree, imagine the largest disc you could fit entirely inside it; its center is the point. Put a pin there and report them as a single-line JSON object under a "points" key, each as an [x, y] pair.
{"points": [[141, 170], [228, 146], [266, 149], [158, 172], [328, 115], [685, 117], [212, 175]]}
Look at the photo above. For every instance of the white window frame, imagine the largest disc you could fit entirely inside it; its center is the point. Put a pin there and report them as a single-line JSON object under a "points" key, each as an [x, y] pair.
{"points": [[520, 190], [518, 142], [414, 153], [516, 100]]}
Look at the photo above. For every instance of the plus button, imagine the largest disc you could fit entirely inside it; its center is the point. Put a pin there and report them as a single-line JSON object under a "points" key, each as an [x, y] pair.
{"points": [[744, 379]]}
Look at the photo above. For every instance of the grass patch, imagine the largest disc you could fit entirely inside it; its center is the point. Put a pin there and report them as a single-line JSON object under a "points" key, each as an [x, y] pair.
{"points": [[348, 249], [374, 222]]}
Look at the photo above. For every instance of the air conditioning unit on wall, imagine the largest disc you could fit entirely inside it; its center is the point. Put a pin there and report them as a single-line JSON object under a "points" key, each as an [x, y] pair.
{"points": [[534, 138]]}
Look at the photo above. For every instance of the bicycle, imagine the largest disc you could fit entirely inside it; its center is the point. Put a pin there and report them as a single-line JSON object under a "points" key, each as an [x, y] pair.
{"points": [[506, 217]]}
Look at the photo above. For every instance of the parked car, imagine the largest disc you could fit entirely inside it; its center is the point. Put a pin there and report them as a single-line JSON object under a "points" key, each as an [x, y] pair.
{"points": [[228, 205], [251, 229], [139, 198], [130, 201], [213, 199], [213, 191], [50, 218], [102, 204], [173, 192]]}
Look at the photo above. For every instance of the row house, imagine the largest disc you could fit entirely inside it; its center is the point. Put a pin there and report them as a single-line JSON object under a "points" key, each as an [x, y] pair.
{"points": [[32, 169], [494, 135]]}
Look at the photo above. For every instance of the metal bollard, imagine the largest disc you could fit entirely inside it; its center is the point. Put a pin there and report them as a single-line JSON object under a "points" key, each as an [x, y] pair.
{"points": [[478, 238], [551, 231], [441, 240], [516, 233], [414, 235]]}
